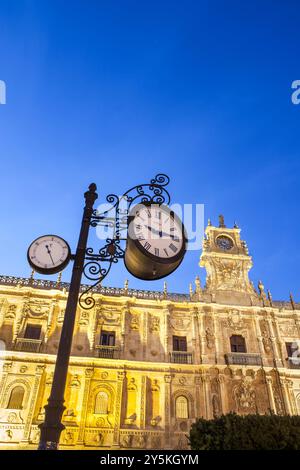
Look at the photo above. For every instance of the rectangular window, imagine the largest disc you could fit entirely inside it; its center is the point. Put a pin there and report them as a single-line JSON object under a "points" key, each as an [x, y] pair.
{"points": [[179, 343], [33, 332], [107, 338], [237, 344]]}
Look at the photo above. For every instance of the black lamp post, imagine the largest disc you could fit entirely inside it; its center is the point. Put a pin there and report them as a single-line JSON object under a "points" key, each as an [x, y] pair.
{"points": [[52, 426], [91, 265]]}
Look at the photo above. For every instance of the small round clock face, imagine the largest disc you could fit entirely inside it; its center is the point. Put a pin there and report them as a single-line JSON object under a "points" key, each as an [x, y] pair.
{"points": [[225, 243], [158, 231], [48, 254]]}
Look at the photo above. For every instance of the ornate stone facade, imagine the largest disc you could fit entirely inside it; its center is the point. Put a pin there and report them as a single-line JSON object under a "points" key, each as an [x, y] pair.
{"points": [[138, 389]]}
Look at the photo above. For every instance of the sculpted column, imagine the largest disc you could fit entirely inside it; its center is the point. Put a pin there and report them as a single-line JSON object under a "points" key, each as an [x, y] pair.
{"points": [[167, 379], [199, 409], [6, 369], [118, 408], [285, 395], [259, 337], [202, 338], [223, 394], [34, 396], [196, 336], [206, 395], [143, 397], [88, 376], [49, 319], [274, 343], [124, 316], [166, 333], [290, 391], [271, 394]]}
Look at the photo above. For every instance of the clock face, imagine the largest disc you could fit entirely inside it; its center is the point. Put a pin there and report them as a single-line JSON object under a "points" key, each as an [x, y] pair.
{"points": [[225, 243], [48, 254], [158, 232]]}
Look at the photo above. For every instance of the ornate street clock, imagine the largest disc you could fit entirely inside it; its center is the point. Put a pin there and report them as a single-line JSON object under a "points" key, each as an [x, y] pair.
{"points": [[156, 241], [49, 254]]}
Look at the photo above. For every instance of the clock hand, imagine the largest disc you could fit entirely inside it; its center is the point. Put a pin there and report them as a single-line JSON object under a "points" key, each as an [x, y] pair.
{"points": [[157, 232], [160, 233], [49, 252]]}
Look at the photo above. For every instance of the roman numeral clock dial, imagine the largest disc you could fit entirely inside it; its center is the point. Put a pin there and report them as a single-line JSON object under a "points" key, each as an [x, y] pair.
{"points": [[156, 241]]}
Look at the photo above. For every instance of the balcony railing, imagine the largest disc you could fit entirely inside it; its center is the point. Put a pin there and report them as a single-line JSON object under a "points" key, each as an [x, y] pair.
{"points": [[28, 345], [294, 362], [181, 357], [108, 352], [243, 359]]}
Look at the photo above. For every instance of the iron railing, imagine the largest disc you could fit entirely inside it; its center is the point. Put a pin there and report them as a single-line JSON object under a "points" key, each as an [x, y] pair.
{"points": [[181, 357], [28, 345], [108, 352], [243, 359]]}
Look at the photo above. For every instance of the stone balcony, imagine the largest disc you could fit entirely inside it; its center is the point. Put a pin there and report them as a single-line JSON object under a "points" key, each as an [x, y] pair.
{"points": [[108, 352], [243, 359], [28, 345], [181, 357]]}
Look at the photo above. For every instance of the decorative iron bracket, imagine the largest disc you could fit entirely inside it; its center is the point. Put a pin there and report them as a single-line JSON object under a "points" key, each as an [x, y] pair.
{"points": [[116, 218]]}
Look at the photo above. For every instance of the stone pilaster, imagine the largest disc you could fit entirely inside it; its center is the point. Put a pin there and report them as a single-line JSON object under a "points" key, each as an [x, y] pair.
{"points": [[87, 383], [259, 338], [118, 408], [168, 380], [33, 398], [204, 359], [274, 340], [198, 383], [6, 370], [285, 394], [223, 394], [206, 395], [269, 382], [143, 402], [166, 333]]}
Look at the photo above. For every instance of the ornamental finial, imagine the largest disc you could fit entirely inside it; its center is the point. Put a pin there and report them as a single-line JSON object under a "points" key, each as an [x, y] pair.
{"points": [[221, 221], [270, 298], [198, 284], [292, 301]]}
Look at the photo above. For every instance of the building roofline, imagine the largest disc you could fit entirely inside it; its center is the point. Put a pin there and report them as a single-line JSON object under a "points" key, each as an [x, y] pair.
{"points": [[45, 284]]}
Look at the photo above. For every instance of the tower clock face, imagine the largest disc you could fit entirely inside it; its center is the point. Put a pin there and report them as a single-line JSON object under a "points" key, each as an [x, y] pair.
{"points": [[225, 243], [158, 232], [156, 241], [48, 254]]}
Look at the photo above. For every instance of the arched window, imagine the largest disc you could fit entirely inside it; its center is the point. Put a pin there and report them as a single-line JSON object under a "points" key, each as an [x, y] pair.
{"points": [[238, 344], [182, 410], [101, 403], [16, 398]]}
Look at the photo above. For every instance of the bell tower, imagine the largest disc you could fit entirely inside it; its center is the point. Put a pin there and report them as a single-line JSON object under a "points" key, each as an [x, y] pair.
{"points": [[227, 262]]}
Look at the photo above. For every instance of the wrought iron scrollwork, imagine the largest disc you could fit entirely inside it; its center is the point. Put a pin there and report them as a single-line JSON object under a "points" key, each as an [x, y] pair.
{"points": [[115, 217]]}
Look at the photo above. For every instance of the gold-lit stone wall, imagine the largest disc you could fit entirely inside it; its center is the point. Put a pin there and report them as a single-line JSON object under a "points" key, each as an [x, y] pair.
{"points": [[140, 393]]}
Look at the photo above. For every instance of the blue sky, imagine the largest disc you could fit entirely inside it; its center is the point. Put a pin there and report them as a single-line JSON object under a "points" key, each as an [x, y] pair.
{"points": [[114, 92]]}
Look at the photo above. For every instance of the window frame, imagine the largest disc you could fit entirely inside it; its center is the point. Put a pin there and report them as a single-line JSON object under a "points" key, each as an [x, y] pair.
{"points": [[238, 346], [181, 343]]}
